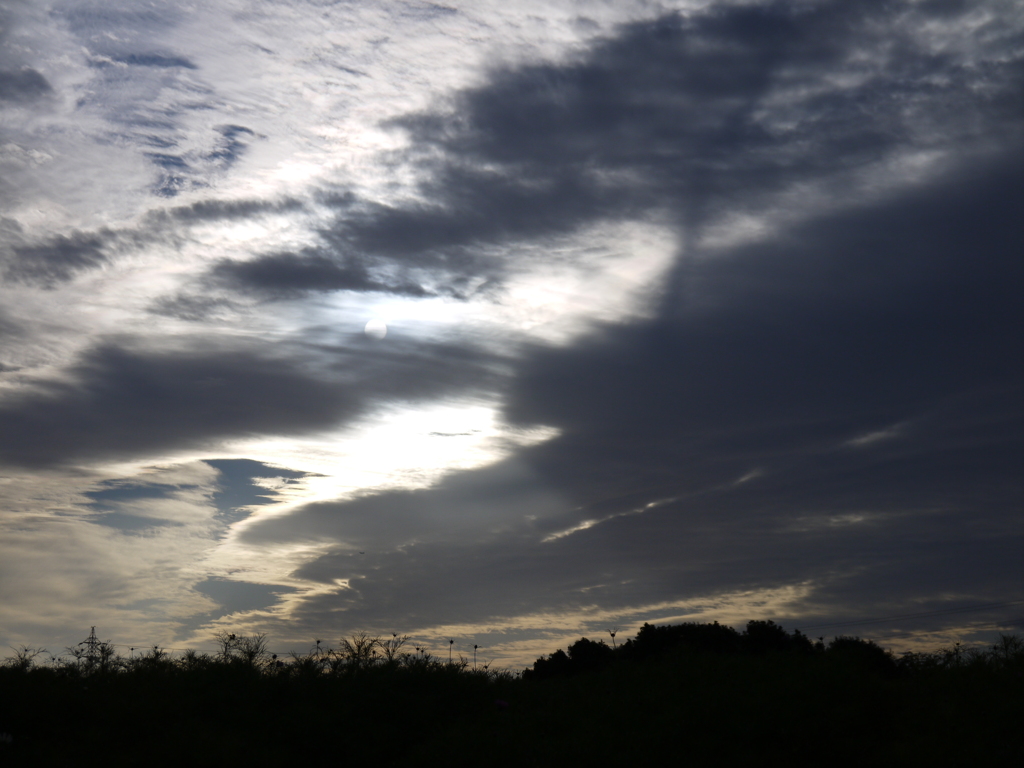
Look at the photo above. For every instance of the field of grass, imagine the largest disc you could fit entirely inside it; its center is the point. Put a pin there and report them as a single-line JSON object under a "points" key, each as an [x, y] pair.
{"points": [[691, 693]]}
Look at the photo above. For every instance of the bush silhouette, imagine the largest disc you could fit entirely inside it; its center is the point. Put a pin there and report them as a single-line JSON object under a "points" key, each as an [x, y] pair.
{"points": [[652, 641], [741, 695], [863, 655], [767, 637], [546, 667], [587, 655]]}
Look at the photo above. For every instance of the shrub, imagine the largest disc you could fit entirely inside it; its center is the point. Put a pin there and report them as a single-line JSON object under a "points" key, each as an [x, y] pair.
{"points": [[863, 655]]}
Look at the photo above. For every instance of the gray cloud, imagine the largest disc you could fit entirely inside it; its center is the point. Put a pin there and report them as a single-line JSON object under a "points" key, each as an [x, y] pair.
{"points": [[133, 524], [284, 274], [694, 116], [25, 84], [231, 146], [193, 309], [118, 402], [677, 553], [772, 357], [467, 505], [867, 312], [189, 170], [735, 412], [721, 444], [60, 258], [222, 210], [154, 60], [8, 327], [147, 92]]}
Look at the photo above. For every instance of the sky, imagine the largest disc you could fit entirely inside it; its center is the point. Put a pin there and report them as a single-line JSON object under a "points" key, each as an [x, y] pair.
{"points": [[510, 323]]}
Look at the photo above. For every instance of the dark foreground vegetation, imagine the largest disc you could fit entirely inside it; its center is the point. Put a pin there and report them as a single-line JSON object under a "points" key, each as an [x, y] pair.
{"points": [[701, 694]]}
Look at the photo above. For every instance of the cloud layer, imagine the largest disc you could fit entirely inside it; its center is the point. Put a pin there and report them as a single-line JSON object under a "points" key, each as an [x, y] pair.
{"points": [[692, 312]]}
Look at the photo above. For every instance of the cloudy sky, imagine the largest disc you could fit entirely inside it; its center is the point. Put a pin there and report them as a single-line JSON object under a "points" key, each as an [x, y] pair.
{"points": [[694, 311]]}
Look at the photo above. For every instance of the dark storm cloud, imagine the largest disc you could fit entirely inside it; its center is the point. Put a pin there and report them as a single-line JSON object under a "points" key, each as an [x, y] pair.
{"points": [[672, 554], [838, 405], [284, 274], [768, 363], [24, 84], [924, 531], [477, 207], [446, 582], [467, 503], [776, 354], [867, 312], [118, 402], [60, 258], [693, 114], [224, 210], [468, 536]]}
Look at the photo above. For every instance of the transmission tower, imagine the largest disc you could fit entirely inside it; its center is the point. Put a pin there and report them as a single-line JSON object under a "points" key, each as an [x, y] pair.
{"points": [[92, 648]]}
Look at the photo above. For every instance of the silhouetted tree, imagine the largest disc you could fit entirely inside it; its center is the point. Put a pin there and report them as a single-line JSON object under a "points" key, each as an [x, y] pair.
{"points": [[555, 665], [586, 655], [249, 651], [764, 637], [801, 643], [24, 658], [862, 654], [699, 638]]}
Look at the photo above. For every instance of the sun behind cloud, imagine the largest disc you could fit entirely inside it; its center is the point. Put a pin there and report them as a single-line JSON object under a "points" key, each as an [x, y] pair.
{"points": [[375, 329]]}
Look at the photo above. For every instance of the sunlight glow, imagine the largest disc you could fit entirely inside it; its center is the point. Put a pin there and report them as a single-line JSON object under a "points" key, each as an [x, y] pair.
{"points": [[398, 447]]}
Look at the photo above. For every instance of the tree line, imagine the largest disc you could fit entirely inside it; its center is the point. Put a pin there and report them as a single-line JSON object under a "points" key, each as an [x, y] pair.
{"points": [[707, 691]]}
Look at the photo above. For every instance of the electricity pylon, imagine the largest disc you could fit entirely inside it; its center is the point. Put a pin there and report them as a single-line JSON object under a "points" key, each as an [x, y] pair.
{"points": [[92, 648]]}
